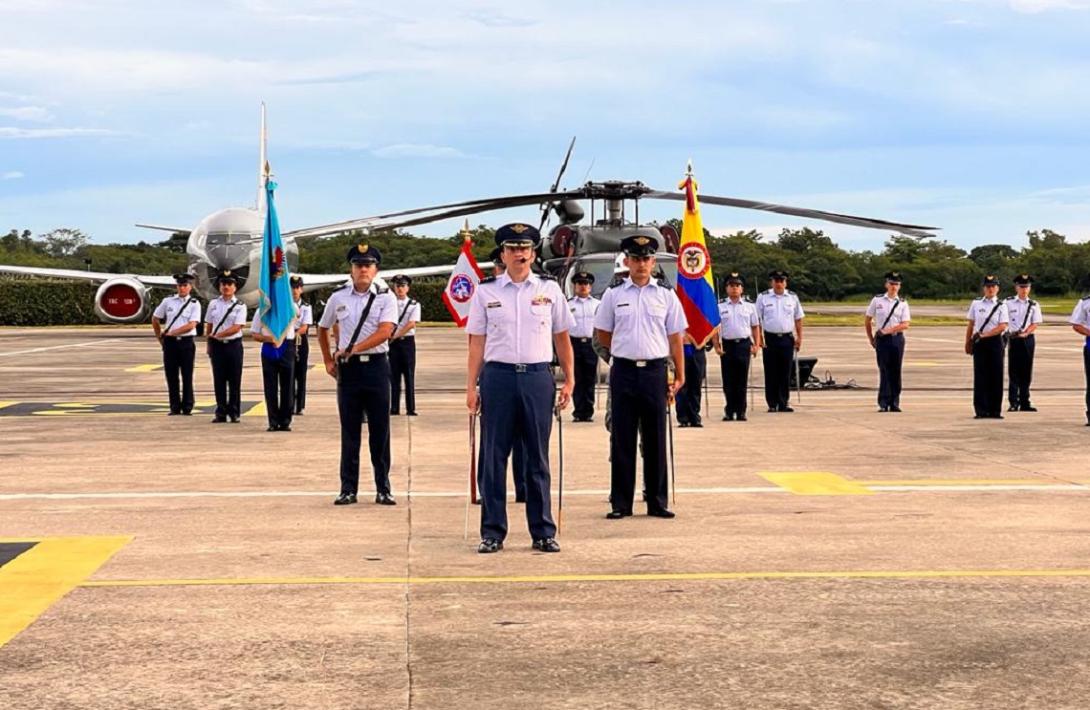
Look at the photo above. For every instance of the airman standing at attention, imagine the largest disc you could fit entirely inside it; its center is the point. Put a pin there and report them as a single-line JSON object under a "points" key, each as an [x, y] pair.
{"points": [[642, 324], [888, 340], [403, 347], [181, 313], [302, 344], [583, 306], [277, 373], [688, 397], [1080, 323], [1025, 314], [987, 321], [515, 320], [227, 317], [364, 316], [736, 342], [781, 317]]}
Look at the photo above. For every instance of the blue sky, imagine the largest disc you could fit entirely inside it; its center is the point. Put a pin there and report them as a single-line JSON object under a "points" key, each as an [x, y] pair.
{"points": [[966, 114]]}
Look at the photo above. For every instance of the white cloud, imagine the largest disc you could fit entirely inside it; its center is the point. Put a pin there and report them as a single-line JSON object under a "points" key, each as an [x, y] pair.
{"points": [[418, 150], [28, 113], [1036, 6], [11, 175], [14, 133]]}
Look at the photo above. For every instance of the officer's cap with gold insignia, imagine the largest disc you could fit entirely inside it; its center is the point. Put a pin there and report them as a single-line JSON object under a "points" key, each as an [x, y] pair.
{"points": [[518, 234], [778, 275], [226, 277], [990, 280], [183, 279], [1023, 279], [893, 277], [735, 278], [582, 277], [401, 279], [364, 254], [296, 281], [639, 245]]}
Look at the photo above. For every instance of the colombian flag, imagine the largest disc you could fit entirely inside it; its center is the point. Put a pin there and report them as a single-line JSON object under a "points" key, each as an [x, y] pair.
{"points": [[695, 286]]}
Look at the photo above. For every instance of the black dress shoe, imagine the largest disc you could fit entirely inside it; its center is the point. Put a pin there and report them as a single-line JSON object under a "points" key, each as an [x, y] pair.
{"points": [[883, 409], [411, 414], [219, 420], [187, 413], [234, 420], [1013, 408], [661, 513], [394, 413], [895, 408], [728, 417], [786, 408], [298, 412], [489, 545], [273, 428], [617, 514], [697, 425], [285, 427], [740, 417], [173, 414], [683, 425], [385, 499], [345, 499], [1028, 408], [980, 416], [547, 544]]}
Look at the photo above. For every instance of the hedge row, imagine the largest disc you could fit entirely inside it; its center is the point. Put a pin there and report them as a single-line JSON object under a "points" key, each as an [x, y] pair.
{"points": [[34, 302]]}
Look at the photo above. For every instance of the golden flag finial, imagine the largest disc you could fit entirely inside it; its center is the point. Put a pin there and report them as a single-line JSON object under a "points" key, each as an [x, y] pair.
{"points": [[466, 234]]}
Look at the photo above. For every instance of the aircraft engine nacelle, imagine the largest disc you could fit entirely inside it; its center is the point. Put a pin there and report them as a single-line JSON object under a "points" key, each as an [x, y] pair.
{"points": [[122, 300]]}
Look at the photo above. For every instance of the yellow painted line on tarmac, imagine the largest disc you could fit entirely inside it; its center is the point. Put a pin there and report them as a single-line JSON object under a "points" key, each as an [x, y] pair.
{"points": [[258, 410], [927, 363], [578, 578], [145, 368], [7, 404], [816, 483], [74, 405], [36, 579], [924, 482]]}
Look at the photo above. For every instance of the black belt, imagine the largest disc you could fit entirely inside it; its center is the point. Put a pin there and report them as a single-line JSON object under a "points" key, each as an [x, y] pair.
{"points": [[889, 335], [519, 367], [737, 340], [576, 339], [779, 335], [215, 341], [640, 363], [365, 358]]}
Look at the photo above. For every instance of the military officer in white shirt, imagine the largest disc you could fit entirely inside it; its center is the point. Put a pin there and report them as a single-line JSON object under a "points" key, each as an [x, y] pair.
{"points": [[1080, 323], [364, 316], [736, 341], [226, 317], [302, 345], [642, 324], [277, 372], [515, 320], [891, 314], [583, 307], [182, 314], [780, 313], [1025, 315], [403, 347], [987, 322]]}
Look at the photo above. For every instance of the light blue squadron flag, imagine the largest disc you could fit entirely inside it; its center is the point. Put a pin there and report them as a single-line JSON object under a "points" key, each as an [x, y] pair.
{"points": [[275, 304]]}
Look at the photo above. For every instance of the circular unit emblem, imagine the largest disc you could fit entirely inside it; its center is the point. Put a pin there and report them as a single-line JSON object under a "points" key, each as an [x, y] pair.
{"points": [[461, 288], [693, 260]]}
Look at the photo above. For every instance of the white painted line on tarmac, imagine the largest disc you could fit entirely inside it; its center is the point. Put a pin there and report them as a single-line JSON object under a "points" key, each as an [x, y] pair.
{"points": [[58, 347], [729, 490]]}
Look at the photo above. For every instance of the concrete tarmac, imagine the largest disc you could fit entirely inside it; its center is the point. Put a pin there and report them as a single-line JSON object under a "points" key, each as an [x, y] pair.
{"points": [[834, 557]]}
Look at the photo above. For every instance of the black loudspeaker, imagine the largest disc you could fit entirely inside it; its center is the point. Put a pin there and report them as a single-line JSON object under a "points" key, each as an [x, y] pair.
{"points": [[805, 368]]}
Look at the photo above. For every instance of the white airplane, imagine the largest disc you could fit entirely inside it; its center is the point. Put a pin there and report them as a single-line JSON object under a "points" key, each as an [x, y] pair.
{"points": [[228, 239], [231, 239]]}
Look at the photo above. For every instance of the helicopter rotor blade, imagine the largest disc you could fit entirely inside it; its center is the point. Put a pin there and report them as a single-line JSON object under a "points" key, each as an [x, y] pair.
{"points": [[547, 207], [914, 230]]}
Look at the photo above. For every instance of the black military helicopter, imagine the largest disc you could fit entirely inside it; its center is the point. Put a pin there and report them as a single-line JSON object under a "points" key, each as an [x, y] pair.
{"points": [[570, 246]]}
